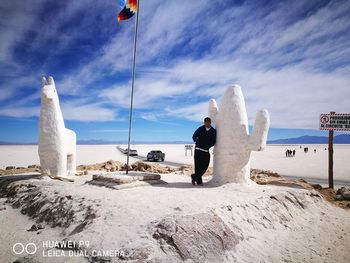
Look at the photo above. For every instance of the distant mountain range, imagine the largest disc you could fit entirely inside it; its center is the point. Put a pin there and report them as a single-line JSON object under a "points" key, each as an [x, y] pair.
{"points": [[338, 139]]}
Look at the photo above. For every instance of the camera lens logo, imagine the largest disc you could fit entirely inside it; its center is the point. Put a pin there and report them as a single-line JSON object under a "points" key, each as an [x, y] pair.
{"points": [[29, 248]]}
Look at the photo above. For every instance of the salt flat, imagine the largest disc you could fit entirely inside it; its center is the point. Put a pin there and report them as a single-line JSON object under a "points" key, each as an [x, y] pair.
{"points": [[310, 165], [261, 223], [265, 223], [24, 155]]}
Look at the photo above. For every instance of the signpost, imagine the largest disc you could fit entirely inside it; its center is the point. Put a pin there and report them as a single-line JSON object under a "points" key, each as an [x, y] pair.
{"points": [[333, 122], [188, 147]]}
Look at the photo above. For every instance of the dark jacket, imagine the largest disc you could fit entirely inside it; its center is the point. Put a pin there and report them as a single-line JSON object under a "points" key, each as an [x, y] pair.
{"points": [[204, 139]]}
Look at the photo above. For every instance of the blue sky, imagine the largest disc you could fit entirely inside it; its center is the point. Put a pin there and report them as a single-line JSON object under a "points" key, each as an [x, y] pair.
{"points": [[290, 57]]}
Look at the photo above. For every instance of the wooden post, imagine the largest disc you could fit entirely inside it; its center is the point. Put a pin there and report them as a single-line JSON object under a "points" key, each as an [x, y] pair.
{"points": [[330, 157]]}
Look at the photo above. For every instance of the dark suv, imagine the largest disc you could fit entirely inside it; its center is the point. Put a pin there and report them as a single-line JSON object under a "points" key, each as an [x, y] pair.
{"points": [[155, 156]]}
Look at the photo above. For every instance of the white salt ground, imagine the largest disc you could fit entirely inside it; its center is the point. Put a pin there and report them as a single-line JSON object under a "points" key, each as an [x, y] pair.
{"points": [[270, 230]]}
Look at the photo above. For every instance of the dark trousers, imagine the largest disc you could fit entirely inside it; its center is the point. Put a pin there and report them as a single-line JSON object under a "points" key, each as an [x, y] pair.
{"points": [[201, 163]]}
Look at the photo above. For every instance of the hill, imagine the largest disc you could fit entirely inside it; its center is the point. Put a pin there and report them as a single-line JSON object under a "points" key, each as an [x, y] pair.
{"points": [[338, 139]]}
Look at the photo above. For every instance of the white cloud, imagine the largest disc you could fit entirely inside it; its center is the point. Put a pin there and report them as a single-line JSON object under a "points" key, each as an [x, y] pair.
{"points": [[196, 112], [87, 113], [73, 110], [293, 96], [20, 112], [158, 34], [15, 20], [150, 92], [5, 93], [295, 65], [149, 116]]}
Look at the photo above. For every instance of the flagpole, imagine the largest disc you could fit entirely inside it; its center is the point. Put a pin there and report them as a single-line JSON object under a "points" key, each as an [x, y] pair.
{"points": [[132, 84]]}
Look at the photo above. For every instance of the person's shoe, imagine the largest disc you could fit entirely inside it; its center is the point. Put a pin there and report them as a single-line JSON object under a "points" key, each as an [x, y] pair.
{"points": [[193, 181]]}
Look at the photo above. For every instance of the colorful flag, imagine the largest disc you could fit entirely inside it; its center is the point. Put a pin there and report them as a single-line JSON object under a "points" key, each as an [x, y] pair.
{"points": [[128, 9]]}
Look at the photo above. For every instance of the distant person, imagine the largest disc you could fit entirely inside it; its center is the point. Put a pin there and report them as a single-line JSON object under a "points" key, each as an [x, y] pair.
{"points": [[314, 150], [293, 153], [288, 153], [204, 137]]}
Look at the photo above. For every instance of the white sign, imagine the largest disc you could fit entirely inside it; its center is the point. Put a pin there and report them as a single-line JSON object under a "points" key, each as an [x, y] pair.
{"points": [[337, 121]]}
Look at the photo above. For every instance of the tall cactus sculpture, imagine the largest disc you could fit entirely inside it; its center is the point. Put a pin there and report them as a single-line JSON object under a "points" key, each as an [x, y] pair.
{"points": [[233, 143]]}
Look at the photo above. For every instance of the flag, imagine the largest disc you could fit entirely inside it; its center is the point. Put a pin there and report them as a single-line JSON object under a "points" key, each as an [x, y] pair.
{"points": [[128, 7]]}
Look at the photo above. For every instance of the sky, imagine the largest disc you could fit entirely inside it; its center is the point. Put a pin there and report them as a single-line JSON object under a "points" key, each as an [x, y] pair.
{"points": [[290, 57]]}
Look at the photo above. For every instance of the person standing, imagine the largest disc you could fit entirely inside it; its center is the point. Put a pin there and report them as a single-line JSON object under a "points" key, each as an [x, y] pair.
{"points": [[205, 138]]}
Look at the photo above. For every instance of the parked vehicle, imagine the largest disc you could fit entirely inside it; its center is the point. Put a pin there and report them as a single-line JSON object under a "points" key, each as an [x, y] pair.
{"points": [[125, 151], [132, 152], [155, 155]]}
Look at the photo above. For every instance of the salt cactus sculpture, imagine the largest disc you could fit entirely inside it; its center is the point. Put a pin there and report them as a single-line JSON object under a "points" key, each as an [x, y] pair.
{"points": [[233, 143], [57, 145]]}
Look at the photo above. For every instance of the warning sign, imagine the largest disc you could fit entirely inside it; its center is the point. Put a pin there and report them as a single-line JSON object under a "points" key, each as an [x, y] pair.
{"points": [[337, 121]]}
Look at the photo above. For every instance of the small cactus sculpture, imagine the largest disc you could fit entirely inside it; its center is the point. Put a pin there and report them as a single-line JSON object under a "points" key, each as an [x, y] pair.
{"points": [[233, 143]]}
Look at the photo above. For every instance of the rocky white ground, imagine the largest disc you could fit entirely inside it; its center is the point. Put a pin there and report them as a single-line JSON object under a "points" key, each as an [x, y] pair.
{"points": [[172, 222]]}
